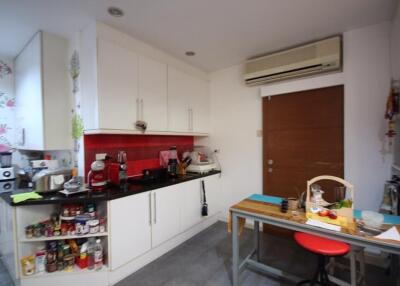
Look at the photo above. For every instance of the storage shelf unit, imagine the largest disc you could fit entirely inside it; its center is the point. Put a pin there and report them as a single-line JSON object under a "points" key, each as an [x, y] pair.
{"points": [[62, 237], [76, 270]]}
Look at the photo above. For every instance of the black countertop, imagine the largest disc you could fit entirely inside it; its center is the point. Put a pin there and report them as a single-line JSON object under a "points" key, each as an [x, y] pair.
{"points": [[110, 193]]}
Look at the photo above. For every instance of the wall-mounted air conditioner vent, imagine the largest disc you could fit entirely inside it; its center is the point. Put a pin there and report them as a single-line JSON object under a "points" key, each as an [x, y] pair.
{"points": [[317, 57]]}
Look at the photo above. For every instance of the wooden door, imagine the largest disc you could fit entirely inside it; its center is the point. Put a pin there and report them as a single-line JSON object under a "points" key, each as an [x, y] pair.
{"points": [[302, 139]]}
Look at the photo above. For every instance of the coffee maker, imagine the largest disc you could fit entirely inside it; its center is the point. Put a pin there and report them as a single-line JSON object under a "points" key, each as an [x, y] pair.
{"points": [[97, 177], [7, 174]]}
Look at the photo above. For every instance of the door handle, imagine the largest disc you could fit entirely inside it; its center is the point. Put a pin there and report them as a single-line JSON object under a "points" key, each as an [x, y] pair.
{"points": [[150, 209], [270, 162], [155, 208]]}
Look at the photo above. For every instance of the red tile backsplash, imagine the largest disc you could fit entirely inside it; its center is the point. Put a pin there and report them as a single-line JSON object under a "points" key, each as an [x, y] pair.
{"points": [[142, 150]]}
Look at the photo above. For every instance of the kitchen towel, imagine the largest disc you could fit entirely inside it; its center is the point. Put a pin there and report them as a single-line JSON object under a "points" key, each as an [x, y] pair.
{"points": [[18, 198]]}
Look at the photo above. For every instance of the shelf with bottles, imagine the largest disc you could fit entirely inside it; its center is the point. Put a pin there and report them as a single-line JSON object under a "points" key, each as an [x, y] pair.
{"points": [[63, 257], [59, 222], [63, 237]]}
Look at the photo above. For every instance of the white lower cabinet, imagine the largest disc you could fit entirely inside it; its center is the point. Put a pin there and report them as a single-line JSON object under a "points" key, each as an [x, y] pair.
{"points": [[143, 222], [192, 203], [212, 185], [130, 228], [166, 213]]}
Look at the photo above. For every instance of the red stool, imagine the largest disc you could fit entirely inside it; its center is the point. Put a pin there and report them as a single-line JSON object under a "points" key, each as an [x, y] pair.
{"points": [[324, 248]]}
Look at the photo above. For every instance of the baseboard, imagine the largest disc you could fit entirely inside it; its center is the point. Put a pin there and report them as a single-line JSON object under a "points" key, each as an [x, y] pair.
{"points": [[124, 271]]}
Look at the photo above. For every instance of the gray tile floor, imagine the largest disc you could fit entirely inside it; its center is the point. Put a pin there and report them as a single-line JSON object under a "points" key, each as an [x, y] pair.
{"points": [[5, 279], [205, 260]]}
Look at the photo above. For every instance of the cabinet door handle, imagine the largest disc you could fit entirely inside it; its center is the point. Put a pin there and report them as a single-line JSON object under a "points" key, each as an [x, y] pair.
{"points": [[191, 119], [150, 209], [155, 208], [141, 109], [137, 109]]}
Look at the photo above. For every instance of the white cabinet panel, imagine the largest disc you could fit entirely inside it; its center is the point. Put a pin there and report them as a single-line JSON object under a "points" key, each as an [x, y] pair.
{"points": [[117, 86], [153, 93], [166, 213], [212, 185], [188, 102], [192, 204], [179, 88], [28, 95], [42, 94], [130, 228], [199, 103]]}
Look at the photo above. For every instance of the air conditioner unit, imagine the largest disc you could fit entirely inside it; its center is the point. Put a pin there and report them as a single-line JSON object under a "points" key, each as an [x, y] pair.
{"points": [[318, 57]]}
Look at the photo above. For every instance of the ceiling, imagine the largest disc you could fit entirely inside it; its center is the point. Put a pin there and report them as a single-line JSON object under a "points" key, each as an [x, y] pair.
{"points": [[221, 32]]}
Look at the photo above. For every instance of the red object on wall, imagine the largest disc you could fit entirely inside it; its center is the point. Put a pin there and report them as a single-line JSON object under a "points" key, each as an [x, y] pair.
{"points": [[142, 150]]}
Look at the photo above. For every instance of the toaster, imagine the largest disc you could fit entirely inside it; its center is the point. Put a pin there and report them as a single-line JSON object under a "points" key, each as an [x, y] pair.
{"points": [[51, 180]]}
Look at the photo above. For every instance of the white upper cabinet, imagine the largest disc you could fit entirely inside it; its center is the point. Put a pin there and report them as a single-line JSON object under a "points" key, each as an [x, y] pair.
{"points": [[42, 94], [178, 100], [188, 102], [117, 80], [127, 80], [153, 93]]}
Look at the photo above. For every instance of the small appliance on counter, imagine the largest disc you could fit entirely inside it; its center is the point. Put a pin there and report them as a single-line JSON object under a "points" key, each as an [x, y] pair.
{"points": [[97, 176], [117, 171], [49, 180], [173, 162], [6, 170], [7, 173], [202, 160]]}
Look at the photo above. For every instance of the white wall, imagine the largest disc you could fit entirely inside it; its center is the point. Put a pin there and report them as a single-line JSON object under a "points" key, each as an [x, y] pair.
{"points": [[235, 119], [395, 44], [236, 116], [7, 108]]}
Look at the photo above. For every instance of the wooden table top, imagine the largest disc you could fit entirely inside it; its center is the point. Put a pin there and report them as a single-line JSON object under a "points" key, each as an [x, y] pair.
{"points": [[273, 211]]}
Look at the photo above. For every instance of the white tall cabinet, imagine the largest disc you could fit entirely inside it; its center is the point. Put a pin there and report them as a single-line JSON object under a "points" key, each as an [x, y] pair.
{"points": [[42, 94]]}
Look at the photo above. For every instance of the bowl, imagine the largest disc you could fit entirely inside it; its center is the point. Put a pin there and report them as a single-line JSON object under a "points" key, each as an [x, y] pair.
{"points": [[372, 219]]}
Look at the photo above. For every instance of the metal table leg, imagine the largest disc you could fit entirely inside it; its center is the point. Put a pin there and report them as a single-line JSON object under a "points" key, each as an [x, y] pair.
{"points": [[257, 239], [235, 250]]}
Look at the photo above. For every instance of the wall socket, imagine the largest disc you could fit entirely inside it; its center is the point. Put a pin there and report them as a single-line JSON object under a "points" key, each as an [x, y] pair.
{"points": [[101, 156]]}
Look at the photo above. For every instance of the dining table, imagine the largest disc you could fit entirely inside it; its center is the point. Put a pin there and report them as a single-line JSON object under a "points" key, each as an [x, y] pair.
{"points": [[262, 209]]}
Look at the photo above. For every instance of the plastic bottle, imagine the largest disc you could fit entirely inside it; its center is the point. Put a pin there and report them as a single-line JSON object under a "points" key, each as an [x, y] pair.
{"points": [[98, 255], [91, 253]]}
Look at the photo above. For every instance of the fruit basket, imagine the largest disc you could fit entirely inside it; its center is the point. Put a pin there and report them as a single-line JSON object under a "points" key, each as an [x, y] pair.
{"points": [[339, 213]]}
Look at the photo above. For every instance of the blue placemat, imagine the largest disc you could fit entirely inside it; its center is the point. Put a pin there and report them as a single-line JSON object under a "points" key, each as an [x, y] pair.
{"points": [[266, 199], [388, 219]]}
